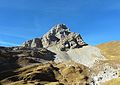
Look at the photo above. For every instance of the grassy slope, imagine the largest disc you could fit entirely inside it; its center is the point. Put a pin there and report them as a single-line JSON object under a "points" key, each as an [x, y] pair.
{"points": [[111, 50], [49, 74], [115, 81]]}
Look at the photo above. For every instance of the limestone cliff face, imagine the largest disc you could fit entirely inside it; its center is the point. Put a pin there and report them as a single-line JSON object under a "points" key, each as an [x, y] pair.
{"points": [[59, 34], [33, 43], [67, 45]]}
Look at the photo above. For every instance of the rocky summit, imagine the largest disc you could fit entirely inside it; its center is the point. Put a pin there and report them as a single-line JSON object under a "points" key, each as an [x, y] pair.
{"points": [[67, 45], [59, 34], [60, 57]]}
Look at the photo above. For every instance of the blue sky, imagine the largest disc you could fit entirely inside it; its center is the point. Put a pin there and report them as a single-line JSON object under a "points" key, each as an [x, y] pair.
{"points": [[97, 21]]}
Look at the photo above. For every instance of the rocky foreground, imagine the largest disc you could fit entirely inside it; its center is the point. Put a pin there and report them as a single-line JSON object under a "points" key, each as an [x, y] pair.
{"points": [[60, 57]]}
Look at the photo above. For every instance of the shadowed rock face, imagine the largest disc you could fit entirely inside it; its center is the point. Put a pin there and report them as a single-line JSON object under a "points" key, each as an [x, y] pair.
{"points": [[60, 35]]}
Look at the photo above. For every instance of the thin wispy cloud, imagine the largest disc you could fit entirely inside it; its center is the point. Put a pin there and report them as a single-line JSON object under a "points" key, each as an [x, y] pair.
{"points": [[4, 43], [13, 32], [14, 35]]}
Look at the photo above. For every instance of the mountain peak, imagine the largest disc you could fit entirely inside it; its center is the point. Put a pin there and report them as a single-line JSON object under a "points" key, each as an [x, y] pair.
{"points": [[58, 30], [59, 35], [62, 26]]}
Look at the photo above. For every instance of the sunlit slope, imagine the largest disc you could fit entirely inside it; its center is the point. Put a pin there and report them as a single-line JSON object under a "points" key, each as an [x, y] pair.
{"points": [[115, 81], [111, 50]]}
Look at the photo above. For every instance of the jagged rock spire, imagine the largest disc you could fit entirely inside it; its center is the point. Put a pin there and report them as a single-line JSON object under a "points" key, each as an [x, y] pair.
{"points": [[58, 35]]}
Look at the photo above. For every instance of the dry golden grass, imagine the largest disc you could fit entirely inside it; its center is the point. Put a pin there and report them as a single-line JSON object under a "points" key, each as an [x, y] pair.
{"points": [[115, 81], [54, 83], [111, 50], [49, 74]]}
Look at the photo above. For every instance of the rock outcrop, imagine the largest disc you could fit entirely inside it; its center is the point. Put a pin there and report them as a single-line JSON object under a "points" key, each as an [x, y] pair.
{"points": [[67, 45], [33, 43], [59, 34], [104, 72]]}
